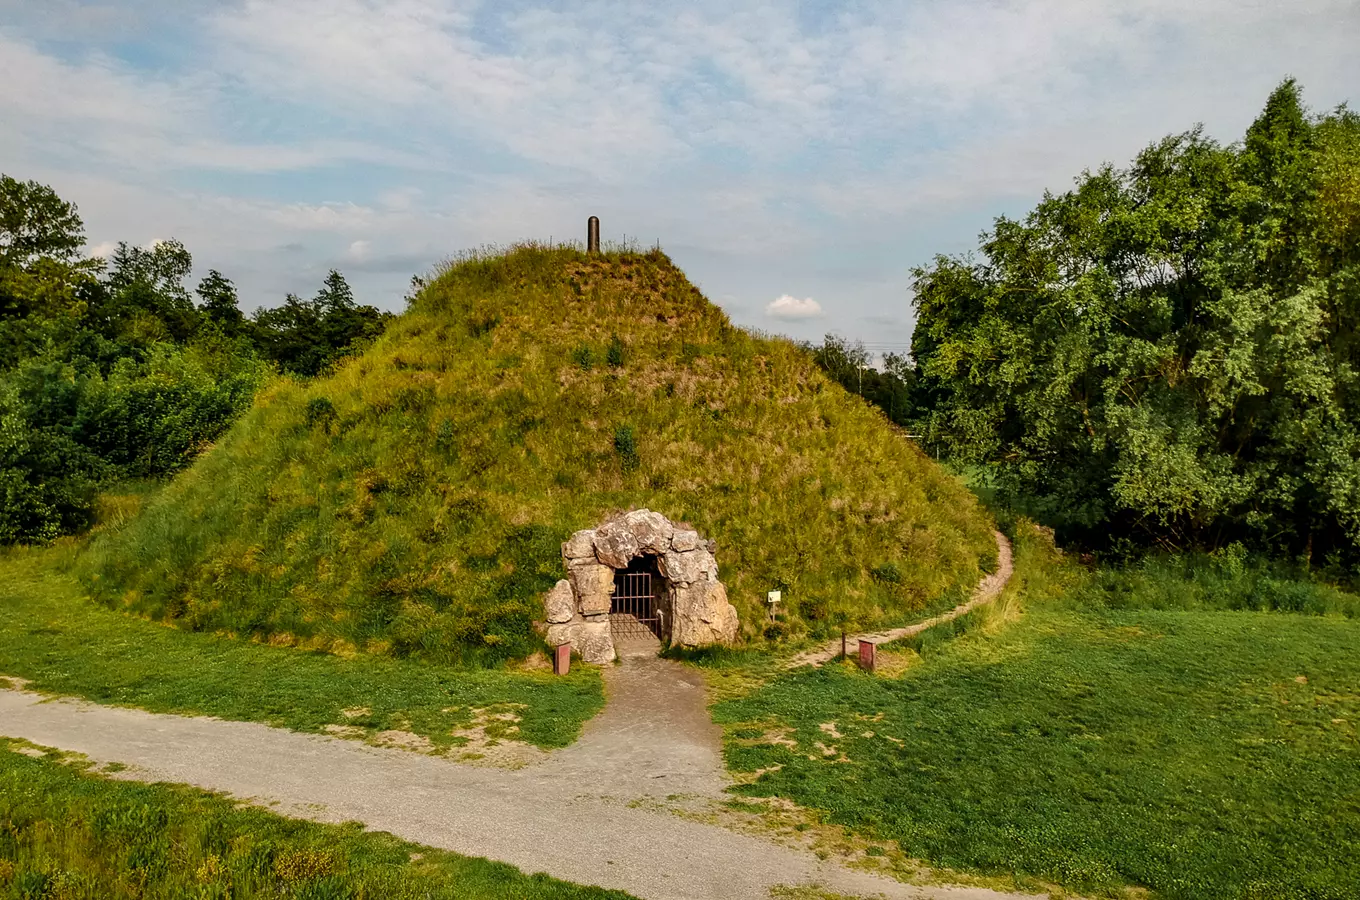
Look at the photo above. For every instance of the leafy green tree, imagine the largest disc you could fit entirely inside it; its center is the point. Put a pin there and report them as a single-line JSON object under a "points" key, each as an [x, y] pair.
{"points": [[304, 337], [103, 378], [1166, 354], [41, 275], [36, 224], [889, 385], [218, 301], [144, 297], [335, 295]]}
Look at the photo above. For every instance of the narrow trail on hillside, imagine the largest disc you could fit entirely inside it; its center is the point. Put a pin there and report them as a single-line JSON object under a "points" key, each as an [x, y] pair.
{"points": [[599, 812], [987, 590]]}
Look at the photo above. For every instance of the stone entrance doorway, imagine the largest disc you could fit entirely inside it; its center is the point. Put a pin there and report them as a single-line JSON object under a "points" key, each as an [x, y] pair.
{"points": [[680, 599], [637, 608]]}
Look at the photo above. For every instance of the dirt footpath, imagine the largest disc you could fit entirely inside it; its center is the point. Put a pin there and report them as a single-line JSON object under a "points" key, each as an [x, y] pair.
{"points": [[987, 590], [571, 816]]}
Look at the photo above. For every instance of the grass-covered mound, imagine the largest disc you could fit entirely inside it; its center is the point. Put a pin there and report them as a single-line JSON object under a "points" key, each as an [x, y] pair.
{"points": [[414, 501]]}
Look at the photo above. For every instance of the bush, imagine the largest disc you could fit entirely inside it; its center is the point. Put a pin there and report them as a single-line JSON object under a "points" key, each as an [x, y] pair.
{"points": [[65, 432], [614, 355], [625, 445], [320, 411], [583, 357], [888, 573], [1219, 581]]}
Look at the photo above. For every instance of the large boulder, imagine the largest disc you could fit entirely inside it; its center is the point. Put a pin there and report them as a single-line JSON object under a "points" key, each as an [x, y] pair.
{"points": [[580, 546], [684, 539], [688, 567], [594, 586], [651, 530], [589, 637], [560, 603], [615, 544], [703, 616]]}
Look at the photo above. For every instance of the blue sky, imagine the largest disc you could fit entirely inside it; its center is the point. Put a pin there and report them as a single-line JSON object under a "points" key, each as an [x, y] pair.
{"points": [[780, 152]]}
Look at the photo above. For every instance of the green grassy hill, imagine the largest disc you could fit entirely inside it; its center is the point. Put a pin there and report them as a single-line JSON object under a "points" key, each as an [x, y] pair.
{"points": [[414, 501]]}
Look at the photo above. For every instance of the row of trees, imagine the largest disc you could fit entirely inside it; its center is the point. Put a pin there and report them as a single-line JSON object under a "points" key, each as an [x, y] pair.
{"points": [[115, 369], [1168, 354], [889, 383]]}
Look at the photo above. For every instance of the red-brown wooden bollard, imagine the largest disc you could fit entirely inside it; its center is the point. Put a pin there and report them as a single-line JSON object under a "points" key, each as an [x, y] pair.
{"points": [[868, 651], [562, 659]]}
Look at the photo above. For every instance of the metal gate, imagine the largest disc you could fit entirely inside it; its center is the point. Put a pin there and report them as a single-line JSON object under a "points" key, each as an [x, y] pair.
{"points": [[634, 611]]}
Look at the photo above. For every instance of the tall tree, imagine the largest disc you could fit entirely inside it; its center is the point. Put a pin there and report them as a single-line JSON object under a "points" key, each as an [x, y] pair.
{"points": [[219, 303], [1166, 353], [35, 222], [145, 294], [305, 336]]}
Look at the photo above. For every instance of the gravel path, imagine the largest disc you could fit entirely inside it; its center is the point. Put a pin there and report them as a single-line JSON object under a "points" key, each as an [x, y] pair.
{"points": [[988, 589], [571, 816]]}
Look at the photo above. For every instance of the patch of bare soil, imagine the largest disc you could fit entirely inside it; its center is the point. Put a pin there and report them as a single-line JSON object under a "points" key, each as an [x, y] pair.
{"points": [[403, 740], [490, 739]]}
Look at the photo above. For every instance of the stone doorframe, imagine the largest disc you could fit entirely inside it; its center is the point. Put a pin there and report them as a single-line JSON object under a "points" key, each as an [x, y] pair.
{"points": [[578, 606]]}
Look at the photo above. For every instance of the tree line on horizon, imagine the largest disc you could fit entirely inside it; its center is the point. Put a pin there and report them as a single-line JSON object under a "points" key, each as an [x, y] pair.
{"points": [[114, 369]]}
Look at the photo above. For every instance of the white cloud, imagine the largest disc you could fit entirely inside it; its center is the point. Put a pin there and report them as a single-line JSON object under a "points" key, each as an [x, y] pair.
{"points": [[787, 307], [836, 147]]}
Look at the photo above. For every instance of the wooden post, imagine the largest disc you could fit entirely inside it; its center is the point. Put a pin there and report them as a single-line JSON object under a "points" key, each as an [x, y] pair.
{"points": [[868, 651], [562, 659], [843, 653], [593, 234]]}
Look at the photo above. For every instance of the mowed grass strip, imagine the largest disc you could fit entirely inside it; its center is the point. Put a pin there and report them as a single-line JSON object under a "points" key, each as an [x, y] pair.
{"points": [[1203, 754], [66, 832], [64, 644]]}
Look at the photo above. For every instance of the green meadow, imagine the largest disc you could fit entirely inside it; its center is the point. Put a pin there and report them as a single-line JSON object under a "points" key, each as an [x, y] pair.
{"points": [[1097, 731]]}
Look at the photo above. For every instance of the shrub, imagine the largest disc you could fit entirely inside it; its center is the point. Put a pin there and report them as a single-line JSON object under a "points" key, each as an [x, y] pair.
{"points": [[320, 411], [625, 445], [583, 357], [614, 355], [888, 573]]}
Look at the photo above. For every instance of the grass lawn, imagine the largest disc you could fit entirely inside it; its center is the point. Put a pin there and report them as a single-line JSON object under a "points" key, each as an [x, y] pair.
{"points": [[68, 833], [1203, 754], [54, 637]]}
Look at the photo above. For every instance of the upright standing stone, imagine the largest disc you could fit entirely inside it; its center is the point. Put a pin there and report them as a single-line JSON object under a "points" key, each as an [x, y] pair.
{"points": [[593, 234], [560, 603], [594, 586]]}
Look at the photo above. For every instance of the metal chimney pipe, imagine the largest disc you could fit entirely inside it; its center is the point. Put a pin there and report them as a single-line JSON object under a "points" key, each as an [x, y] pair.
{"points": [[593, 234]]}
